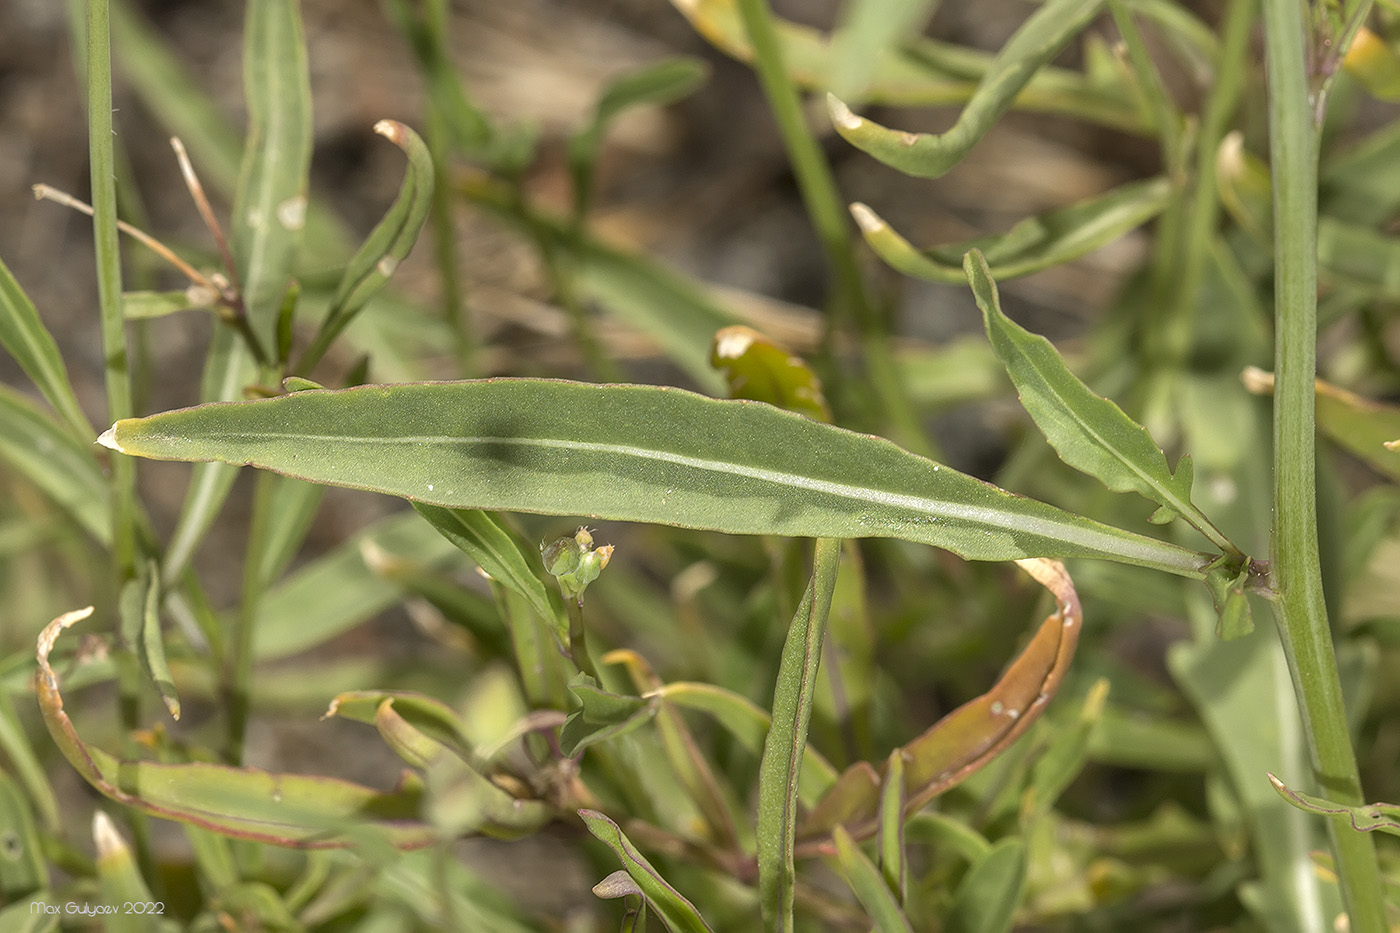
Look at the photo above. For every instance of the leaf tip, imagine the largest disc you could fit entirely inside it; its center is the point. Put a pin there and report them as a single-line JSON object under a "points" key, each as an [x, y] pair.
{"points": [[868, 221], [392, 130], [1257, 381], [108, 438], [841, 115], [106, 840]]}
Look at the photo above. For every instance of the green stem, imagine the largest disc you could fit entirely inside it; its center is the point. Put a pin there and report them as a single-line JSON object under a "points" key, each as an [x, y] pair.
{"points": [[578, 638], [829, 217], [1299, 605], [109, 278]]}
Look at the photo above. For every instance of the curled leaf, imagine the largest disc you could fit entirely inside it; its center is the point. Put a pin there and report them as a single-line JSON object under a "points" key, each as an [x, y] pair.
{"points": [[924, 155], [1364, 819], [297, 810], [969, 737]]}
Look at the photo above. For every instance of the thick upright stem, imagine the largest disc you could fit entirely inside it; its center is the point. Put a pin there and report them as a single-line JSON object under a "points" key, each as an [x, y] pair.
{"points": [[1302, 613]]}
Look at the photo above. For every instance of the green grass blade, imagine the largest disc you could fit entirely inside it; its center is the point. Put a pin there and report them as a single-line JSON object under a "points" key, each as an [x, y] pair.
{"points": [[869, 886], [24, 335], [1039, 242], [24, 765], [270, 203], [669, 904], [787, 738], [631, 453], [894, 866], [1039, 40], [151, 647]]}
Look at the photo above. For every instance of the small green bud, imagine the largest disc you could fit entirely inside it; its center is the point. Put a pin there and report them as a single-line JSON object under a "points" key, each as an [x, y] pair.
{"points": [[574, 562]]}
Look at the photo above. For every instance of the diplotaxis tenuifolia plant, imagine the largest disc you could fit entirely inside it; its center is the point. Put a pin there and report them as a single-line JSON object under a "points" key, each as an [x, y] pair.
{"points": [[688, 580]]}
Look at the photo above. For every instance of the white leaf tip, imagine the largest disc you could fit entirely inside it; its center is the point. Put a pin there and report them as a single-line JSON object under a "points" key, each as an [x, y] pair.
{"points": [[841, 115], [866, 219], [108, 438]]}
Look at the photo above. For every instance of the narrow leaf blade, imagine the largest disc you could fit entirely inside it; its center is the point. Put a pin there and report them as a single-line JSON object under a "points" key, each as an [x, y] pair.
{"points": [[1089, 432], [631, 453], [1039, 39], [670, 905]]}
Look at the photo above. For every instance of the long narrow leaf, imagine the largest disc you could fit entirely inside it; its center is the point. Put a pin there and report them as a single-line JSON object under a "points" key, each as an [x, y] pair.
{"points": [[1364, 819], [500, 555], [285, 809], [35, 447], [923, 72], [632, 453], [1036, 243], [1039, 39], [1089, 432], [24, 335], [269, 207], [869, 886], [390, 240], [670, 905], [787, 738]]}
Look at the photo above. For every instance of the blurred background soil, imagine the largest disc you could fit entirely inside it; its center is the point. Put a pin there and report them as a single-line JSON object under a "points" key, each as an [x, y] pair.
{"points": [[703, 184]]}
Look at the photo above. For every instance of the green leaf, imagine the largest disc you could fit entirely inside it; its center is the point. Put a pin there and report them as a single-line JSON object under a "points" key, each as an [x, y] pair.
{"points": [[922, 72], [388, 243], [24, 335], [675, 911], [504, 559], [1039, 40], [247, 803], [120, 881], [601, 715], [872, 30], [22, 867], [228, 368], [24, 765], [428, 715], [787, 738], [658, 84], [1036, 243], [151, 646], [630, 453], [1089, 432], [270, 203], [986, 900], [748, 724], [869, 886], [893, 865], [1364, 819], [141, 305], [35, 447], [336, 592]]}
